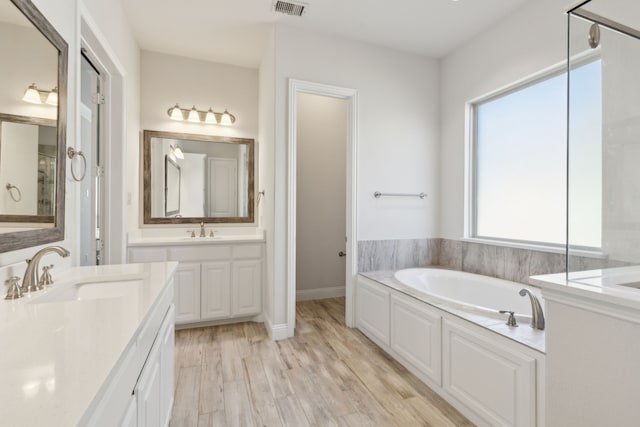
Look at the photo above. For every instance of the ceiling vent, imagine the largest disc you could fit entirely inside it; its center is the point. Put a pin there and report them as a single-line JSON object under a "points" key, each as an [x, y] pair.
{"points": [[290, 7]]}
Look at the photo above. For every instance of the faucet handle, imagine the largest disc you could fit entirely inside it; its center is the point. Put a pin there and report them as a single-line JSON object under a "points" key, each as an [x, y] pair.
{"points": [[511, 321], [14, 291], [210, 233], [193, 233], [46, 278]]}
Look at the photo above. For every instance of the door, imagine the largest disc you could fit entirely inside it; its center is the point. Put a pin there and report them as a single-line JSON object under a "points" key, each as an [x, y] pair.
{"points": [[216, 290], [187, 292], [90, 170], [223, 187]]}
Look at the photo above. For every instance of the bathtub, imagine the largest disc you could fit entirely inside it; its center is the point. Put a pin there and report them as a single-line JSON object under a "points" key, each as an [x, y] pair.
{"points": [[478, 294]]}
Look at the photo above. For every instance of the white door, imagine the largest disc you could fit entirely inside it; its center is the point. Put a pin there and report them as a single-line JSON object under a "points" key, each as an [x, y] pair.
{"points": [[223, 187], [216, 290], [187, 292]]}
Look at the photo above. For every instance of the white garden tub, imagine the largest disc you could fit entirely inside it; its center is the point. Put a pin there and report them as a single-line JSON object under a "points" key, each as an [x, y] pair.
{"points": [[470, 292]]}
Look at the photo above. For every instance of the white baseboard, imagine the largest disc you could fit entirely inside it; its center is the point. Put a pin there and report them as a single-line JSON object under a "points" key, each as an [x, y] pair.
{"points": [[276, 332], [320, 293]]}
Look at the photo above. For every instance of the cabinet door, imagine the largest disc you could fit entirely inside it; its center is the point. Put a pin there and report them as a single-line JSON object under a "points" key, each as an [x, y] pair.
{"points": [[216, 290], [372, 310], [496, 382], [149, 391], [167, 344], [415, 335], [131, 415], [187, 292], [246, 288]]}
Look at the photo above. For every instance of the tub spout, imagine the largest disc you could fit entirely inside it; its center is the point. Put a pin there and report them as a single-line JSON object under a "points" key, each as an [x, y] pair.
{"points": [[537, 316]]}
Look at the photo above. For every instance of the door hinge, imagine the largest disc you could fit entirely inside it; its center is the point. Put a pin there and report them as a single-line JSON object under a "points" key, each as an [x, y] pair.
{"points": [[98, 98], [99, 171]]}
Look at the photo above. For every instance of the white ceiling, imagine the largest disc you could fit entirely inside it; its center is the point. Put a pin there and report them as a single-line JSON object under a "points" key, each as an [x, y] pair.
{"points": [[234, 32]]}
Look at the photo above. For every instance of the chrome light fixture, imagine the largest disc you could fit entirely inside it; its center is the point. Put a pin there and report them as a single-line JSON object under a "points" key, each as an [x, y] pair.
{"points": [[34, 95], [177, 151], [194, 115]]}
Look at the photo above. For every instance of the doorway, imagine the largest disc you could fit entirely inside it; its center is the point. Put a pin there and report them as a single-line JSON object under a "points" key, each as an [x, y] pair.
{"points": [[320, 196], [349, 242], [91, 169]]}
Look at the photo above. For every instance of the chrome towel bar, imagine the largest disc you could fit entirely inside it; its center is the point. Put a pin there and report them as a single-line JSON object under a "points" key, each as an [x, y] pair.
{"points": [[378, 194]]}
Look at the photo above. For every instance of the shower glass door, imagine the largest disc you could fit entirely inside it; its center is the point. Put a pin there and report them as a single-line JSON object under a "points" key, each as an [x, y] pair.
{"points": [[603, 215]]}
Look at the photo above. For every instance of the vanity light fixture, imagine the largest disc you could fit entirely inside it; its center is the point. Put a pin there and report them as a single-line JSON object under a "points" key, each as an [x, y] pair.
{"points": [[34, 95], [177, 151], [198, 116]]}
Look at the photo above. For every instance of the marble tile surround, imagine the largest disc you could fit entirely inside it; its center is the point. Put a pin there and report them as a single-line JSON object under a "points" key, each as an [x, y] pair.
{"points": [[490, 260]]}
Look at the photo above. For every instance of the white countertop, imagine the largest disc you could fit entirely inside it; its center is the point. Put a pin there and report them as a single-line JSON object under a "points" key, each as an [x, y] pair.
{"points": [[181, 237], [55, 356], [603, 285], [524, 334]]}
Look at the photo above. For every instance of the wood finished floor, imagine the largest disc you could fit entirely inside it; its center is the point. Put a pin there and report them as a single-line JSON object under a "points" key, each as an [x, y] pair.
{"points": [[327, 375]]}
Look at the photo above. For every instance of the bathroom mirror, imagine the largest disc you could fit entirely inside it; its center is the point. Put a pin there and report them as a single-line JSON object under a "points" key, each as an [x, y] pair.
{"points": [[33, 89], [191, 178]]}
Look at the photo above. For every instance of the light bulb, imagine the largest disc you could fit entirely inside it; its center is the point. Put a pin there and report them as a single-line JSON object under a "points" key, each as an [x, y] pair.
{"points": [[210, 118], [32, 95], [226, 118], [52, 98], [176, 113], [193, 115]]}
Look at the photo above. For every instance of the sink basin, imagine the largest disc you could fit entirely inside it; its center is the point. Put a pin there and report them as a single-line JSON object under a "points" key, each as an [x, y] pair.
{"points": [[88, 291]]}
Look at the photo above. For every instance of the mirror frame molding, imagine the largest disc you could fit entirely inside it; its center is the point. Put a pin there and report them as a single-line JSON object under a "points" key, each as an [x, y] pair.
{"points": [[146, 178], [25, 239]]}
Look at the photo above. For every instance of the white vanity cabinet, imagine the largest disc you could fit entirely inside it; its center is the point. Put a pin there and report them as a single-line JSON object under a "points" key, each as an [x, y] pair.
{"points": [[139, 392], [216, 280]]}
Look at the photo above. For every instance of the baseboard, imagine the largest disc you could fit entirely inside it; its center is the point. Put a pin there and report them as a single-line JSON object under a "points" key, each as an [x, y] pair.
{"points": [[320, 293], [276, 332]]}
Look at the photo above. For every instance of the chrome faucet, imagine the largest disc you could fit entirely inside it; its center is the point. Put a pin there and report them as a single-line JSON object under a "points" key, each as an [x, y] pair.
{"points": [[202, 233], [537, 316], [31, 281]]}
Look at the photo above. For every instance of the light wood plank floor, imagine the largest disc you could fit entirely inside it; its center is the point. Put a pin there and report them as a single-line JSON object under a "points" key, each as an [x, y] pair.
{"points": [[327, 375]]}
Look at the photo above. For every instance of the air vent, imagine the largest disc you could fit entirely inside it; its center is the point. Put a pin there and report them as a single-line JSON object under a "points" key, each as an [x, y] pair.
{"points": [[290, 8]]}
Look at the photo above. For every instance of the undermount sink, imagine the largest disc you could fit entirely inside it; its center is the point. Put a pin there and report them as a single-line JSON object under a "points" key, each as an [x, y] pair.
{"points": [[83, 291]]}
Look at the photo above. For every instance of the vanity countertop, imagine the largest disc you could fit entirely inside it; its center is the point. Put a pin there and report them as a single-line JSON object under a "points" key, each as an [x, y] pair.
{"points": [[181, 238], [618, 286], [56, 355]]}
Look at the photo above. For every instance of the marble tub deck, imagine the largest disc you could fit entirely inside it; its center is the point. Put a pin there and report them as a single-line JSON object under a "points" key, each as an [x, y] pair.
{"points": [[523, 334]]}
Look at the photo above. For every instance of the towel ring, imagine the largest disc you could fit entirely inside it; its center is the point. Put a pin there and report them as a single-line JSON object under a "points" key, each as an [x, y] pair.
{"points": [[11, 193], [72, 154]]}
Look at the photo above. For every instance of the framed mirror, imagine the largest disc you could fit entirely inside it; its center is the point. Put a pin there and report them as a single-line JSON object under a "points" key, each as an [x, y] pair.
{"points": [[33, 106], [191, 178]]}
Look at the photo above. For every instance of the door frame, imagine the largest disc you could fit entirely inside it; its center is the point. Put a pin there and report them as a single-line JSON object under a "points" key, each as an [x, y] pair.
{"points": [[351, 269], [113, 133]]}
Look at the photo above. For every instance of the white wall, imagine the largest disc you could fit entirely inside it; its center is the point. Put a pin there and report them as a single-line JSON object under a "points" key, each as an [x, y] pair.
{"points": [[397, 135], [523, 43], [321, 149], [266, 169], [167, 80]]}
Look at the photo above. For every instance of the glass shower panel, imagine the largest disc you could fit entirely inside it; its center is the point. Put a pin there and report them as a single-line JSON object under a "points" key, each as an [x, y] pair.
{"points": [[603, 216]]}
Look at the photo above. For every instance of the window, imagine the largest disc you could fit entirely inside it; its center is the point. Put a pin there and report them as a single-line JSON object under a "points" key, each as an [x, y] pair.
{"points": [[518, 169]]}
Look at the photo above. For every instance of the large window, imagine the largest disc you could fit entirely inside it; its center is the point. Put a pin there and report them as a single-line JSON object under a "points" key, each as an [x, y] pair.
{"points": [[518, 168]]}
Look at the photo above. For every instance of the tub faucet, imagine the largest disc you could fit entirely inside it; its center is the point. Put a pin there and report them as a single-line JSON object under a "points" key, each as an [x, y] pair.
{"points": [[30, 283], [537, 316]]}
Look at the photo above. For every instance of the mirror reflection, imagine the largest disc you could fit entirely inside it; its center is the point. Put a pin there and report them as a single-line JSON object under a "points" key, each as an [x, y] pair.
{"points": [[27, 166], [189, 178], [28, 123]]}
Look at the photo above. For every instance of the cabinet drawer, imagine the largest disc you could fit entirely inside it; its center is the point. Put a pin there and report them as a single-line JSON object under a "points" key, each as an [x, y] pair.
{"points": [[199, 253], [247, 251]]}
